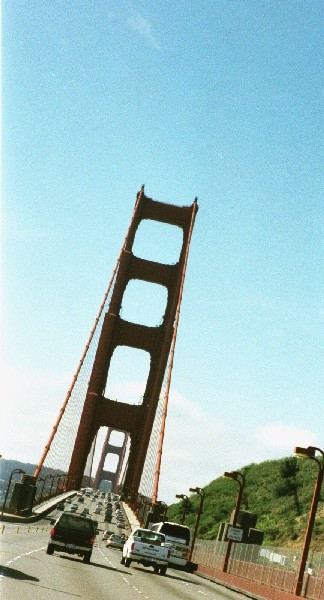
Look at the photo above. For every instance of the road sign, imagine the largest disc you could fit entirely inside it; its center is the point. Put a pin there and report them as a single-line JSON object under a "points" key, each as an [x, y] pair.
{"points": [[234, 533]]}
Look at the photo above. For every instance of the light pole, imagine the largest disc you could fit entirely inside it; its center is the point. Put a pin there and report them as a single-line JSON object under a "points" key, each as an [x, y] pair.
{"points": [[309, 453], [164, 515], [201, 493], [57, 484], [8, 487], [39, 493], [185, 505], [43, 487], [239, 477]]}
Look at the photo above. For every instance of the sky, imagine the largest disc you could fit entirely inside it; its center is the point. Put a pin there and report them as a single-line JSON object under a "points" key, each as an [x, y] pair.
{"points": [[219, 100]]}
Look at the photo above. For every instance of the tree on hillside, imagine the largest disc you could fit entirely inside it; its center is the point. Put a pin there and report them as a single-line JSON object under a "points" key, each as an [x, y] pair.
{"points": [[287, 485]]}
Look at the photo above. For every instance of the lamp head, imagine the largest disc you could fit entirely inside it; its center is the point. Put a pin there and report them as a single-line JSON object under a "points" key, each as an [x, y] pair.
{"points": [[305, 452], [196, 490], [231, 475]]}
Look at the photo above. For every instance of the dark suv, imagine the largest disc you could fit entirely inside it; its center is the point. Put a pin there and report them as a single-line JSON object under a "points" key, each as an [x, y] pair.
{"points": [[73, 534]]}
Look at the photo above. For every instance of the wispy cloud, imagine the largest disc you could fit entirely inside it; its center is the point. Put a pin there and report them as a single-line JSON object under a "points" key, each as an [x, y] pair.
{"points": [[142, 26], [284, 437], [200, 446]]}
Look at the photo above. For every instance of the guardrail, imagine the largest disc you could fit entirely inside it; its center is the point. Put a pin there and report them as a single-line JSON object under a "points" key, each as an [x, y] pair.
{"points": [[270, 567]]}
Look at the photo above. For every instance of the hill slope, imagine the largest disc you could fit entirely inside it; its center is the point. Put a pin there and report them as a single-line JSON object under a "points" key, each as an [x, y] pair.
{"points": [[279, 492]]}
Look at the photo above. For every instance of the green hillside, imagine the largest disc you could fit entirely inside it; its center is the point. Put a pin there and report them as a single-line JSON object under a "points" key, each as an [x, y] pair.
{"points": [[279, 492]]}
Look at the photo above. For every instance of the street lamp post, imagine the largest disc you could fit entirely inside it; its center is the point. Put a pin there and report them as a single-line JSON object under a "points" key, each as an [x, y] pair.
{"points": [[309, 453], [164, 515], [201, 493], [239, 477], [185, 505], [57, 484], [8, 487], [43, 486], [39, 493]]}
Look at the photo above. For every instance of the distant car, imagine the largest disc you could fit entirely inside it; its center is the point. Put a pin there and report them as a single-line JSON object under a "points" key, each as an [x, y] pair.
{"points": [[115, 541], [60, 506], [106, 534], [74, 507], [97, 510], [85, 511]]}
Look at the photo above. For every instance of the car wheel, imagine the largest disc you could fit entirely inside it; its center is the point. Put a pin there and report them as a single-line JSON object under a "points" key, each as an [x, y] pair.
{"points": [[156, 569], [50, 549], [86, 557], [163, 570], [122, 562], [127, 562]]}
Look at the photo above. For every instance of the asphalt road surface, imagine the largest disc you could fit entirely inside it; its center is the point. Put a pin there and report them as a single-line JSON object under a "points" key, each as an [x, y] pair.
{"points": [[28, 573]]}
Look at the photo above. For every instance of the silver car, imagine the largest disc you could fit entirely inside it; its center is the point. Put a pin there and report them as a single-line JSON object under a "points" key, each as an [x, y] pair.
{"points": [[115, 541]]}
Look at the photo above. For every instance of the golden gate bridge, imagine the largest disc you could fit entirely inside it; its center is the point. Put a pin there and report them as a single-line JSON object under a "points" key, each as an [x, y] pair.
{"points": [[72, 442]]}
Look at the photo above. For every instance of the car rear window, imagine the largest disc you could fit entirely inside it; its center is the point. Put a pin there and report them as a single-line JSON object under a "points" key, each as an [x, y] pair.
{"points": [[77, 523]]}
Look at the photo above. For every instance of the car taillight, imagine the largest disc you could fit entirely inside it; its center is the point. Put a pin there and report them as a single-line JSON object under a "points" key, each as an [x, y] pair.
{"points": [[169, 553], [92, 539], [52, 533], [132, 545]]}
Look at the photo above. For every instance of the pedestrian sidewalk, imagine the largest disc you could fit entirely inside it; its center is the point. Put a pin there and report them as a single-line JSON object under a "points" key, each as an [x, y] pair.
{"points": [[132, 519]]}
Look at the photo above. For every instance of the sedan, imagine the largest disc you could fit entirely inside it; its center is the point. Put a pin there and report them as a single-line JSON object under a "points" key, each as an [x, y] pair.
{"points": [[115, 541], [106, 534]]}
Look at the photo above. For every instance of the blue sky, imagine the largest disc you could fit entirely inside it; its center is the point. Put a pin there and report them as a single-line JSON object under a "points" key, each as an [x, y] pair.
{"points": [[220, 100]]}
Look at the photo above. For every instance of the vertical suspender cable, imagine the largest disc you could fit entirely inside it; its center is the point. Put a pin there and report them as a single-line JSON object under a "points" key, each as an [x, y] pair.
{"points": [[170, 367]]}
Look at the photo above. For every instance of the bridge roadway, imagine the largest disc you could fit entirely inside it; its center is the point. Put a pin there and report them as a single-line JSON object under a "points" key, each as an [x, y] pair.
{"points": [[26, 570]]}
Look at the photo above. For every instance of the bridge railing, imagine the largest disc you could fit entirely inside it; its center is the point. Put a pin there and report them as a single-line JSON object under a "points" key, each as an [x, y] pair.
{"points": [[272, 567]]}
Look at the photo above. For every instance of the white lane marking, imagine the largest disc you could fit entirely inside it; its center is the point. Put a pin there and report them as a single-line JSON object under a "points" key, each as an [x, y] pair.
{"points": [[124, 578]]}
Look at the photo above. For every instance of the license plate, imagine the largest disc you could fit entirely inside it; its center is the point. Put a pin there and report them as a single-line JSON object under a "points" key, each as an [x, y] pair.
{"points": [[71, 546]]}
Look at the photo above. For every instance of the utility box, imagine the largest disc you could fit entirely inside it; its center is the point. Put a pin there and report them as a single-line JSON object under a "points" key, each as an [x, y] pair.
{"points": [[23, 495], [245, 519], [255, 537]]}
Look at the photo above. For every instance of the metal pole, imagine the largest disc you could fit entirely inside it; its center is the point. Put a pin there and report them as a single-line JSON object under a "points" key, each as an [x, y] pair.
{"points": [[185, 505], [311, 519], [202, 495], [235, 477], [185, 508]]}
